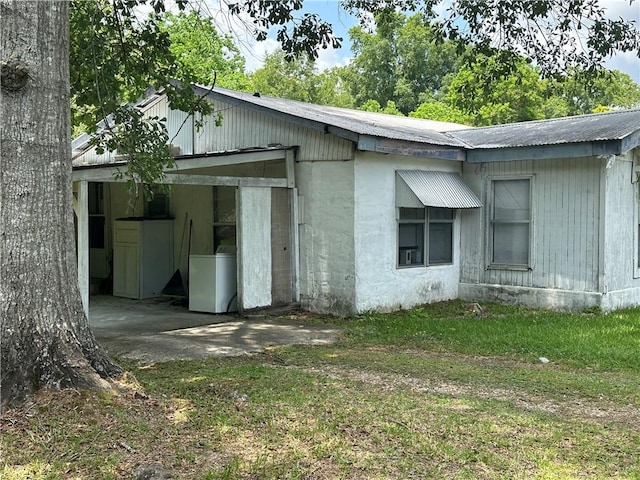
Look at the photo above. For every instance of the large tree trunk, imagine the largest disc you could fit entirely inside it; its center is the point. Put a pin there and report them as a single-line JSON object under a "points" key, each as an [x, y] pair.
{"points": [[45, 338]]}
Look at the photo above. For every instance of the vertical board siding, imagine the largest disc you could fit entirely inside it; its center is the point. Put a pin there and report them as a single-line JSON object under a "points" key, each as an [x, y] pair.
{"points": [[244, 129], [240, 128], [281, 287], [565, 225], [620, 236], [180, 130]]}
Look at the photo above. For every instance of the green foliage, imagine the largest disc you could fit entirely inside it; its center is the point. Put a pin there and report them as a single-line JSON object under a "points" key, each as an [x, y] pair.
{"points": [[293, 79], [147, 152], [373, 106], [587, 94], [440, 111], [491, 95], [297, 35], [200, 49], [298, 79], [115, 57], [117, 54], [399, 61], [554, 34]]}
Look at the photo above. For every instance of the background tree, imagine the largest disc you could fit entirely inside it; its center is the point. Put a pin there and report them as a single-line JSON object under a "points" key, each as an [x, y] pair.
{"points": [[555, 35], [609, 89], [373, 106], [294, 79], [398, 61], [489, 95], [298, 79], [199, 48], [441, 111]]}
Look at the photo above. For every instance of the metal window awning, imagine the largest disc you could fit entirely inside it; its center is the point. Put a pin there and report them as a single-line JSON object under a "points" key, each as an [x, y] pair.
{"points": [[418, 188]]}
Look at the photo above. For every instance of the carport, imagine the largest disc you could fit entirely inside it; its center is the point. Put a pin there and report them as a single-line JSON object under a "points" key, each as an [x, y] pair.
{"points": [[159, 330]]}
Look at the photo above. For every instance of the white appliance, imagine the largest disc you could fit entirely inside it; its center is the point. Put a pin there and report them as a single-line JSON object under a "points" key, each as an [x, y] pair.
{"points": [[142, 257], [212, 283]]}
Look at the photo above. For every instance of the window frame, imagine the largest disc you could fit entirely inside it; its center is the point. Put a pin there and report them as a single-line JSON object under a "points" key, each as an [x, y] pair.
{"points": [[491, 222], [220, 225], [426, 221], [97, 217]]}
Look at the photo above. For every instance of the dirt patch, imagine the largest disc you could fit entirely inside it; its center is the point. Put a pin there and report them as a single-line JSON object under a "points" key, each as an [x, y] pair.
{"points": [[600, 411]]}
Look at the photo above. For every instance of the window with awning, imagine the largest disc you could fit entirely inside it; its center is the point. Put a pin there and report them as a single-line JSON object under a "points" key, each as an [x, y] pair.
{"points": [[420, 188], [426, 203]]}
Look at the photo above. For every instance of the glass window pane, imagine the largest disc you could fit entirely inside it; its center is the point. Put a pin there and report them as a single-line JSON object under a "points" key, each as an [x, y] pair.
{"points": [[96, 232], [411, 213], [224, 204], [411, 244], [440, 243], [224, 235], [511, 200], [96, 198], [441, 213], [511, 243]]}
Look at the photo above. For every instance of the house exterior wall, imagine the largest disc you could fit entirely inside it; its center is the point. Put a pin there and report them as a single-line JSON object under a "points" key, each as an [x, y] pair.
{"points": [[566, 238], [621, 282], [242, 128], [379, 283], [254, 246], [326, 228]]}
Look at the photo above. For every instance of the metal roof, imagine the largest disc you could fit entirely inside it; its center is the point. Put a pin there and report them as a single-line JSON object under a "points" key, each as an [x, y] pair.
{"points": [[615, 125], [343, 121], [440, 189], [569, 137]]}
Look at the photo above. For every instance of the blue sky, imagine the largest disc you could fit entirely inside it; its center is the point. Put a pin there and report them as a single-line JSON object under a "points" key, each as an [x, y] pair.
{"points": [[330, 11]]}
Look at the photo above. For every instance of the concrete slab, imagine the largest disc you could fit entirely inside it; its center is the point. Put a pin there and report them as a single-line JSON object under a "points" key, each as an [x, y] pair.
{"points": [[156, 330]]}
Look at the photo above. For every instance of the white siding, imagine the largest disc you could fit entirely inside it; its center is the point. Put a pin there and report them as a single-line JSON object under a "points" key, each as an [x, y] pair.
{"points": [[180, 130], [90, 157], [620, 239], [380, 284], [243, 128], [565, 231], [254, 247], [327, 282]]}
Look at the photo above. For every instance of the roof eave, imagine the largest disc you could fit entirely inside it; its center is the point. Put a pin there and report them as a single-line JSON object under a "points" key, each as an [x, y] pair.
{"points": [[406, 147], [545, 152]]}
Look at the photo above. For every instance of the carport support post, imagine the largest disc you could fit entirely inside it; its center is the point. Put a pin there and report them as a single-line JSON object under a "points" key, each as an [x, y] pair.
{"points": [[81, 208]]}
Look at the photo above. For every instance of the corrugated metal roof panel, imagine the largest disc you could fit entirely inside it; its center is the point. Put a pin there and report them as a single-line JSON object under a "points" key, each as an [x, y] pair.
{"points": [[440, 189], [356, 121], [582, 128]]}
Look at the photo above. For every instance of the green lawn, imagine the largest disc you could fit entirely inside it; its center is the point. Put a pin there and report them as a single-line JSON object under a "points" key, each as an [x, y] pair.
{"points": [[435, 392]]}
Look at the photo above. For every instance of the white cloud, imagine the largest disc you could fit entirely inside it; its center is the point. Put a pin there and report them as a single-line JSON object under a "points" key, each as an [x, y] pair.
{"points": [[256, 52], [627, 62]]}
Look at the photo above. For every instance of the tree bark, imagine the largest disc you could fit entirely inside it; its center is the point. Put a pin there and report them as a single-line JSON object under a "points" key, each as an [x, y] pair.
{"points": [[45, 339]]}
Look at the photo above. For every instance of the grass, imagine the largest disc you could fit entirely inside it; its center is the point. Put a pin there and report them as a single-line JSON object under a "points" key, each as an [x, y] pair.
{"points": [[435, 392]]}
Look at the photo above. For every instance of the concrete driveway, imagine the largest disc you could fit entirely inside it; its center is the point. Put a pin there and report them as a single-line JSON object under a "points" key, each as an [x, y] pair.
{"points": [[155, 330]]}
